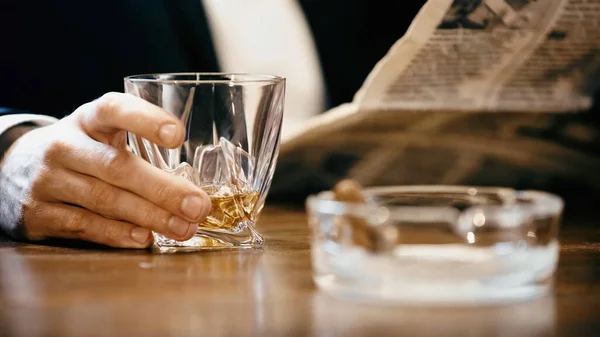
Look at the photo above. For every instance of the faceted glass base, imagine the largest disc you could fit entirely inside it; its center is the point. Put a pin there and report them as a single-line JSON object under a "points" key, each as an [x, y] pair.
{"points": [[205, 240]]}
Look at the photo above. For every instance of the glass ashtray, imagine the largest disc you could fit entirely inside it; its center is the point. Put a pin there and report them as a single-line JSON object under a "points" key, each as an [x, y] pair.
{"points": [[436, 244]]}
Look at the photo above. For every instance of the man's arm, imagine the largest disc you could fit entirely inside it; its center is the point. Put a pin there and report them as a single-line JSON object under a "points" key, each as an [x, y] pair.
{"points": [[67, 180], [14, 125]]}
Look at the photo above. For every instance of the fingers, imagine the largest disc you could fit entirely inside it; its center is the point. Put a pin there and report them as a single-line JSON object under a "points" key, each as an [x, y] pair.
{"points": [[114, 112], [110, 201], [71, 222], [125, 170]]}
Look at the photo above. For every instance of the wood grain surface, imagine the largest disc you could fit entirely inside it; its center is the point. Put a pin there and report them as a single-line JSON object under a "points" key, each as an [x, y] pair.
{"points": [[71, 289]]}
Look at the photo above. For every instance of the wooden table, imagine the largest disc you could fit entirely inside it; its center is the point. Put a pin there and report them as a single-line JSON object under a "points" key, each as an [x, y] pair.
{"points": [[59, 291]]}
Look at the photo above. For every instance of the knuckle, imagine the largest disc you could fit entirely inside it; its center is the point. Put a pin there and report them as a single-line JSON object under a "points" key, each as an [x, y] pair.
{"points": [[112, 232], [28, 234], [41, 183], [56, 149], [163, 193], [76, 222], [107, 103], [101, 196], [29, 229], [116, 165], [148, 216]]}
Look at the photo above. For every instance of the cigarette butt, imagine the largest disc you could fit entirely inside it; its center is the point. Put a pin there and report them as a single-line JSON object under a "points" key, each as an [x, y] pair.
{"points": [[349, 191], [362, 234]]}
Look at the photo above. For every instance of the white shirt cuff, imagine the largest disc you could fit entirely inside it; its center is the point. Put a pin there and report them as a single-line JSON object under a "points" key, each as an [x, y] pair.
{"points": [[8, 121]]}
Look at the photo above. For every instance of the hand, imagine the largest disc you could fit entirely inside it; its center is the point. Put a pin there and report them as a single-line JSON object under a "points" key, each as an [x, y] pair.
{"points": [[75, 179]]}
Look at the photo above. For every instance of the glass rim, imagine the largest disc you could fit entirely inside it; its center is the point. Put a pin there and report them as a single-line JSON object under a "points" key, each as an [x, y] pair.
{"points": [[541, 203], [218, 78]]}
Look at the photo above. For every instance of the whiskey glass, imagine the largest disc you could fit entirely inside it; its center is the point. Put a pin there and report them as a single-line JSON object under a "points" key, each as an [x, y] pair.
{"points": [[436, 245], [233, 124]]}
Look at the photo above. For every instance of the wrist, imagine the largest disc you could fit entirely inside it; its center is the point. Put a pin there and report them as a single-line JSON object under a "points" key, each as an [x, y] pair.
{"points": [[10, 136]]}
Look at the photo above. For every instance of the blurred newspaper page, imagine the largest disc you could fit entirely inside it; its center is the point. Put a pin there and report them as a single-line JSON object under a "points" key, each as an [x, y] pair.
{"points": [[483, 55], [508, 55], [477, 92]]}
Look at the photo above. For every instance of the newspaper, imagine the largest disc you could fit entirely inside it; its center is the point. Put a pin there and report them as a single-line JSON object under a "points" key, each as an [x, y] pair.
{"points": [[486, 92]]}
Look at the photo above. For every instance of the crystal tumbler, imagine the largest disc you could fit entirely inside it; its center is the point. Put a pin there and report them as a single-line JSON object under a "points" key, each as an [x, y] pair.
{"points": [[233, 124], [436, 245]]}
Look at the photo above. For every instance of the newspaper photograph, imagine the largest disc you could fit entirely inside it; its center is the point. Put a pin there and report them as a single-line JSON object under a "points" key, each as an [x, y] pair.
{"points": [[479, 92]]}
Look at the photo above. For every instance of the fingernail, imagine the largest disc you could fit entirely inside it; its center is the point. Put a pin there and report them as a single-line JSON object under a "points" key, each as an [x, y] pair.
{"points": [[167, 133], [193, 207], [140, 235], [178, 226]]}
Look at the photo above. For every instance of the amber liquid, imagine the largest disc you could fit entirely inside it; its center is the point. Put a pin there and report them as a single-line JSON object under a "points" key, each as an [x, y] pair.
{"points": [[229, 210]]}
